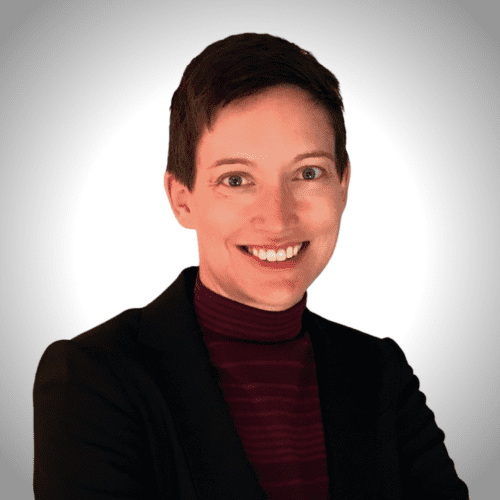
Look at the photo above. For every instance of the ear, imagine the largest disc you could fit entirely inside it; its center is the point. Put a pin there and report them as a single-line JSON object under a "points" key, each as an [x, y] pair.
{"points": [[344, 185], [181, 201]]}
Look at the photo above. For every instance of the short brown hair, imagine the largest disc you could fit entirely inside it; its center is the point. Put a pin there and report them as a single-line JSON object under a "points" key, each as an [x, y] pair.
{"points": [[240, 66]]}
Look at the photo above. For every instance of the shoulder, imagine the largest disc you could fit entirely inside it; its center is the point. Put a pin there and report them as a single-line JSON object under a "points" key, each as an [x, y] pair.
{"points": [[115, 335], [352, 341], [101, 346]]}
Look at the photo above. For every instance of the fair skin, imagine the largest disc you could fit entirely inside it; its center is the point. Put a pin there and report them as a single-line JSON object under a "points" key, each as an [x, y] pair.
{"points": [[276, 198]]}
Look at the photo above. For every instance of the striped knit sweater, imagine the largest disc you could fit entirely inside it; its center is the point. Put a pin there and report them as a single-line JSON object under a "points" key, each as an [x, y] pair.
{"points": [[268, 376]]}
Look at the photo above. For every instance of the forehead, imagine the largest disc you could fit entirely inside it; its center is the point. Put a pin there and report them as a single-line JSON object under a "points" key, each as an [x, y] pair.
{"points": [[279, 119]]}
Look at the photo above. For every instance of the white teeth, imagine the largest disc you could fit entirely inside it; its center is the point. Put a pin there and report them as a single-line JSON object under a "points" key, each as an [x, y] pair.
{"points": [[273, 256]]}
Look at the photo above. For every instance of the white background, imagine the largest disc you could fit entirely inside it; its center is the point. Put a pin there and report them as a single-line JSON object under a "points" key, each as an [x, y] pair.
{"points": [[87, 230]]}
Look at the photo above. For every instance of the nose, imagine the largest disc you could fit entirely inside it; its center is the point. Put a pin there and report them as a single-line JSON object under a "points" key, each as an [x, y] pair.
{"points": [[276, 210]]}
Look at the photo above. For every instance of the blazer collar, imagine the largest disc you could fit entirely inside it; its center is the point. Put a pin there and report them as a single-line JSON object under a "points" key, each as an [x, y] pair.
{"points": [[218, 463]]}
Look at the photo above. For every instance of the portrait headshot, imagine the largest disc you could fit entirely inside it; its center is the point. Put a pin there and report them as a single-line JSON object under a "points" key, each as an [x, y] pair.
{"points": [[250, 253], [227, 385]]}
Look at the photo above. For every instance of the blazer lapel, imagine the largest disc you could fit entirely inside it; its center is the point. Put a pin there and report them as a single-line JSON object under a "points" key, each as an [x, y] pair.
{"points": [[213, 449], [347, 384]]}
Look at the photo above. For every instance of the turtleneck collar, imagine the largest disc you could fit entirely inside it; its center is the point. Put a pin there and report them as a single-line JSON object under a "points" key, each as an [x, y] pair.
{"points": [[220, 315]]}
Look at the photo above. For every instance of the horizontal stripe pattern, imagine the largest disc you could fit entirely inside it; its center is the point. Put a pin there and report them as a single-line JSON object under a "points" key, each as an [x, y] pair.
{"points": [[268, 376]]}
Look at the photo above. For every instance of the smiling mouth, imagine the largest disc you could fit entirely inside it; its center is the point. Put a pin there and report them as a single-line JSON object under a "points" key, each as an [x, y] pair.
{"points": [[245, 250]]}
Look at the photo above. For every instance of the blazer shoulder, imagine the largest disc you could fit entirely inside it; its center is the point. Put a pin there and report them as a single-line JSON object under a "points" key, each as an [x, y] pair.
{"points": [[90, 354], [347, 335], [113, 335], [114, 338], [358, 346]]}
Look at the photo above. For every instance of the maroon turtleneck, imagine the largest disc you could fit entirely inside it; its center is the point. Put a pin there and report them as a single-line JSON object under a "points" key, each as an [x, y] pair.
{"points": [[268, 376]]}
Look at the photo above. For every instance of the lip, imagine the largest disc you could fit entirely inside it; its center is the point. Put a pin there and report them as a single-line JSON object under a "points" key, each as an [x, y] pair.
{"points": [[274, 247]]}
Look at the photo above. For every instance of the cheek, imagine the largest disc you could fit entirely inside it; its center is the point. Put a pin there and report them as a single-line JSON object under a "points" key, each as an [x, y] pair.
{"points": [[225, 220], [224, 213], [217, 223], [323, 215]]}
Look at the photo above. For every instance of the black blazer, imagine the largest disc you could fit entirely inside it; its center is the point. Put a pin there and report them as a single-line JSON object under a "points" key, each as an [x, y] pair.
{"points": [[132, 409]]}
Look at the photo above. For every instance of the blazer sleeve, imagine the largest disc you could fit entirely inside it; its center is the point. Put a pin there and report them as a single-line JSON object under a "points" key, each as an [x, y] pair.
{"points": [[87, 437], [426, 468]]}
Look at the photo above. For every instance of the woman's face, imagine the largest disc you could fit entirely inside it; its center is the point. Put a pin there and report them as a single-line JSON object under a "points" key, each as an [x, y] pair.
{"points": [[267, 196]]}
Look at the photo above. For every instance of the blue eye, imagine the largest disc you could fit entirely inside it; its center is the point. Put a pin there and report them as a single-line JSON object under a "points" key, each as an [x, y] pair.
{"points": [[241, 175], [310, 169]]}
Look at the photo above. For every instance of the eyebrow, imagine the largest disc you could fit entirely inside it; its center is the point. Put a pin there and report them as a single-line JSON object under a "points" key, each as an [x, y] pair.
{"points": [[250, 163]]}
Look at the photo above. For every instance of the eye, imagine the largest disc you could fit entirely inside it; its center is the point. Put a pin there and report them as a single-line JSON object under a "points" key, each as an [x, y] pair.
{"points": [[310, 169], [241, 175], [232, 175]]}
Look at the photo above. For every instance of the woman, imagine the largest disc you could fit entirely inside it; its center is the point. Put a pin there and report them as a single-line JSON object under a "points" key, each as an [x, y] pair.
{"points": [[226, 386]]}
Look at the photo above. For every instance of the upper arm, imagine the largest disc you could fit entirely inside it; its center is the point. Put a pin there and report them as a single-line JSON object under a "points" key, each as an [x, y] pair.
{"points": [[426, 467], [87, 438]]}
